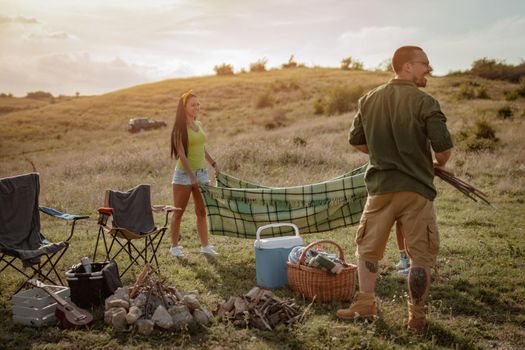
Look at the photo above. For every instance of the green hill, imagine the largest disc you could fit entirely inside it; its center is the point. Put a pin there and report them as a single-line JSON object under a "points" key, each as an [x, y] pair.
{"points": [[263, 127]]}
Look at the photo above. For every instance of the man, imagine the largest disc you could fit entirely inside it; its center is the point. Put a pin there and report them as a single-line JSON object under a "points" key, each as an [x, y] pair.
{"points": [[397, 124]]}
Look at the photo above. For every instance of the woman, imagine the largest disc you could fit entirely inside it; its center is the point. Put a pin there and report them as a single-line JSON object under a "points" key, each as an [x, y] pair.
{"points": [[187, 146]]}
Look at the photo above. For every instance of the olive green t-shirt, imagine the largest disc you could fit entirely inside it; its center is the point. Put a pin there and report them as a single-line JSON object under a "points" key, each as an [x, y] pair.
{"points": [[400, 123]]}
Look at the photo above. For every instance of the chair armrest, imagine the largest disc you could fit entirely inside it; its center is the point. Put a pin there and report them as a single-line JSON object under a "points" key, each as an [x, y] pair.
{"points": [[103, 215], [105, 211], [59, 215], [161, 208], [164, 208]]}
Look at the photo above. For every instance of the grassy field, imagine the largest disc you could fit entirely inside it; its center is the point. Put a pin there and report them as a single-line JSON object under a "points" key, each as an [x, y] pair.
{"points": [[80, 147]]}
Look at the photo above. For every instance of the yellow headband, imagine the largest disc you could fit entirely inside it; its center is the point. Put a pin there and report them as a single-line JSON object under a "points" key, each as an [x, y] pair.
{"points": [[185, 96]]}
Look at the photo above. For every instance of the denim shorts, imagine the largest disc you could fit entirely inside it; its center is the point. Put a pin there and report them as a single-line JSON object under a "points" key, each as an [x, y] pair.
{"points": [[181, 178]]}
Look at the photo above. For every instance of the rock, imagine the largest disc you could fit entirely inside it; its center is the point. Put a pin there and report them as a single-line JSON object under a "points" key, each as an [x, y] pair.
{"points": [[169, 301], [200, 317], [120, 296], [145, 327], [140, 300], [208, 313], [133, 315], [191, 302], [181, 316], [119, 320], [122, 293], [108, 315], [162, 318], [118, 303], [228, 305]]}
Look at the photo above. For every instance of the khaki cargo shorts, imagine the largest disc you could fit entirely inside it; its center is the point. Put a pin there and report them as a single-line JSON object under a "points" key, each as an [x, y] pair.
{"points": [[417, 217]]}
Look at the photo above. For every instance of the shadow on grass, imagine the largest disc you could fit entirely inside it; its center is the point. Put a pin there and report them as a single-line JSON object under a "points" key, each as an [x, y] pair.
{"points": [[462, 297]]}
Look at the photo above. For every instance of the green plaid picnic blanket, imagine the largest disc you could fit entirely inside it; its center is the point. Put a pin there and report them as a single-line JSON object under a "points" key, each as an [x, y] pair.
{"points": [[237, 208]]}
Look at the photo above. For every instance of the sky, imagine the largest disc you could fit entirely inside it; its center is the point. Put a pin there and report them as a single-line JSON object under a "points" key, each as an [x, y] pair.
{"points": [[98, 46]]}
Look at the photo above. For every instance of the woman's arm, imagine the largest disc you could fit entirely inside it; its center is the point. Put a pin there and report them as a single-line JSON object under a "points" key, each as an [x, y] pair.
{"points": [[186, 163], [210, 160]]}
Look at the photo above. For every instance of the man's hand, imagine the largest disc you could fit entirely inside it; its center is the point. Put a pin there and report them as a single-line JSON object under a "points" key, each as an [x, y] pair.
{"points": [[443, 168]]}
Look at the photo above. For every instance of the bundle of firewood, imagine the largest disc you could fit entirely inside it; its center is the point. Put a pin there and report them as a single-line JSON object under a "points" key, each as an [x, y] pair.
{"points": [[259, 308], [462, 186]]}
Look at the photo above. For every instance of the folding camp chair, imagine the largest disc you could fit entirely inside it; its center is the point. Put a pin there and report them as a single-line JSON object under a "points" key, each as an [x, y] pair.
{"points": [[20, 237], [132, 230]]}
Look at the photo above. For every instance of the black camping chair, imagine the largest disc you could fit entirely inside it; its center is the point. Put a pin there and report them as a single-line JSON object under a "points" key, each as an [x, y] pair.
{"points": [[20, 236], [132, 230]]}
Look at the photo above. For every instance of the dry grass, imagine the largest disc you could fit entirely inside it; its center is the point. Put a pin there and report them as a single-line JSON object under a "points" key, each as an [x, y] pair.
{"points": [[81, 147]]}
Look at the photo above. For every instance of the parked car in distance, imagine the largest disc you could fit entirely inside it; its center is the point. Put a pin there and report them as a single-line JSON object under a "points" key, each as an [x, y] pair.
{"points": [[142, 124]]}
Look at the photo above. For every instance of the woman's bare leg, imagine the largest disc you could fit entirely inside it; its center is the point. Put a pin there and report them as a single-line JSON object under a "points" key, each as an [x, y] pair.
{"points": [[200, 212], [181, 196]]}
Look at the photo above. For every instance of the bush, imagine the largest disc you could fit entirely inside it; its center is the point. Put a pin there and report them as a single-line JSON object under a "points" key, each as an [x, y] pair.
{"points": [[39, 95], [484, 130], [299, 141], [495, 69], [292, 63], [481, 137], [342, 99], [265, 100], [259, 66], [505, 112], [482, 92], [511, 95], [477, 145], [386, 65], [350, 63], [223, 69], [466, 92], [521, 88], [319, 106], [280, 85]]}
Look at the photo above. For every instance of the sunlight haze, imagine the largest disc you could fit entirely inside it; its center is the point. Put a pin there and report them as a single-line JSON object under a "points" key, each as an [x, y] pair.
{"points": [[92, 47]]}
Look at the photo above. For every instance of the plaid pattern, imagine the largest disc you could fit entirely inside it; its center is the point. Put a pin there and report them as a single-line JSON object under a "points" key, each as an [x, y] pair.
{"points": [[237, 208]]}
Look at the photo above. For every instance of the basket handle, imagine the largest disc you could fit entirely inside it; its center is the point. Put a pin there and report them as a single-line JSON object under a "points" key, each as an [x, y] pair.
{"points": [[309, 246]]}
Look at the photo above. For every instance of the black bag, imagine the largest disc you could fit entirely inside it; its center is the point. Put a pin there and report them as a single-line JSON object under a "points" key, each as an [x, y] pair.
{"points": [[91, 289]]}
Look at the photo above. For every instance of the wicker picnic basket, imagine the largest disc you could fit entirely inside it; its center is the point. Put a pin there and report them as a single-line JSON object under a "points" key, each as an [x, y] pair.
{"points": [[325, 287]]}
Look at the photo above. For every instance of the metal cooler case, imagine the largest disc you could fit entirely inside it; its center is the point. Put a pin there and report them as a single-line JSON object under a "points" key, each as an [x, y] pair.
{"points": [[34, 307], [271, 256]]}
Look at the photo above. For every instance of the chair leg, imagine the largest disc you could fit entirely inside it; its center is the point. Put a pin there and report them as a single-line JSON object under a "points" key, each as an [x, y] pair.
{"points": [[51, 260], [96, 245]]}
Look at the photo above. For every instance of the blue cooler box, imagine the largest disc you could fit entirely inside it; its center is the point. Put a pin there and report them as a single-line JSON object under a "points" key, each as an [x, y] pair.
{"points": [[271, 256]]}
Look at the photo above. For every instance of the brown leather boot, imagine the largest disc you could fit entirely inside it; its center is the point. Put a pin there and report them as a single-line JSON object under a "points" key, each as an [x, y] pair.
{"points": [[417, 317], [363, 306]]}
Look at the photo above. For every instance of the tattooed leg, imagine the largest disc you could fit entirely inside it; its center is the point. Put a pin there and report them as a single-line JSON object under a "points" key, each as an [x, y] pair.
{"points": [[371, 266], [418, 284], [367, 275]]}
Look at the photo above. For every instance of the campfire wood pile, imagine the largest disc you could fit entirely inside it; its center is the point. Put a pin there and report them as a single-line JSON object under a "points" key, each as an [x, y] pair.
{"points": [[150, 304], [260, 309]]}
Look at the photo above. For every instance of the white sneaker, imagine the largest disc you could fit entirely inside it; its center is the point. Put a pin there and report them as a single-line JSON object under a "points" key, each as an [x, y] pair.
{"points": [[208, 250], [176, 251], [403, 264], [404, 272]]}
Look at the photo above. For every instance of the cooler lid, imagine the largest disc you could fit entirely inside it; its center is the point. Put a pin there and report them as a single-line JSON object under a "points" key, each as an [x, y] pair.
{"points": [[278, 242]]}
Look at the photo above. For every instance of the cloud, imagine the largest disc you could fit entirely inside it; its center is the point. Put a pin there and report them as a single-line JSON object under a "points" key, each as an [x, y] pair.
{"points": [[501, 40], [68, 73], [374, 44], [51, 35], [18, 19]]}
